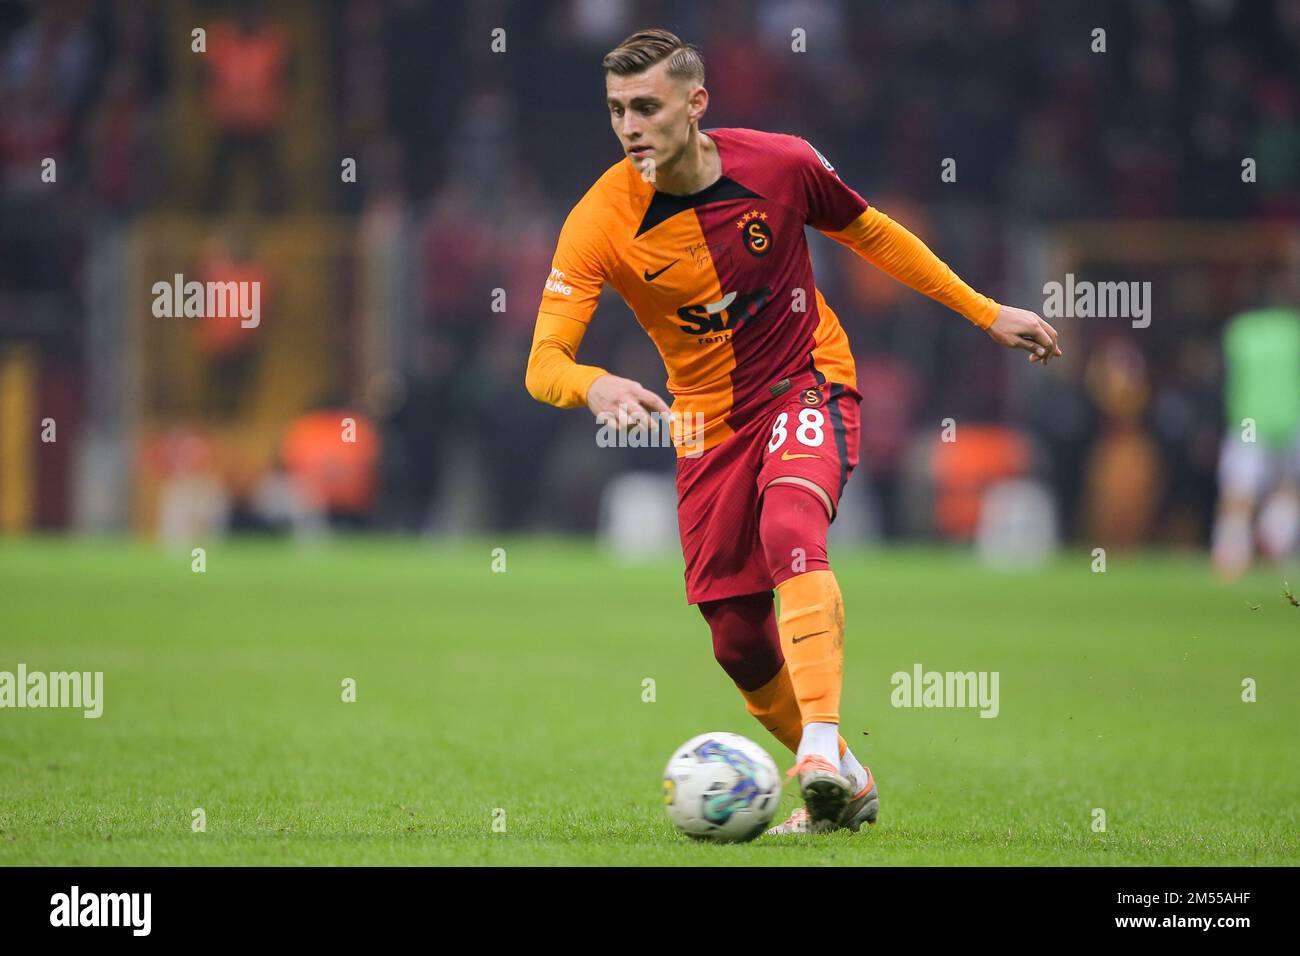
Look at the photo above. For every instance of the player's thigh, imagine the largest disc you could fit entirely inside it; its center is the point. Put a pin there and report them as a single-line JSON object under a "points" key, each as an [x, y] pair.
{"points": [[717, 518], [814, 439]]}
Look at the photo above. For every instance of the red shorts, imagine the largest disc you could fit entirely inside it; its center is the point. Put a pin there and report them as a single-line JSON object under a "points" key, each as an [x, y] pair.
{"points": [[810, 432]]}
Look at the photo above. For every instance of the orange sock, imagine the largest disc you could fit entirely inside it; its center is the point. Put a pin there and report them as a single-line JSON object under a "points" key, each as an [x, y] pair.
{"points": [[777, 709], [811, 625]]}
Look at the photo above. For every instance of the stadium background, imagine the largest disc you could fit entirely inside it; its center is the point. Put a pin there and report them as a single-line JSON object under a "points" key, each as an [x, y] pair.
{"points": [[379, 293], [477, 690]]}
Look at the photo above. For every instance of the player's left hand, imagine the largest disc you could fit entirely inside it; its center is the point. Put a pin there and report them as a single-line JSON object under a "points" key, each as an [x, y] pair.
{"points": [[1022, 329]]}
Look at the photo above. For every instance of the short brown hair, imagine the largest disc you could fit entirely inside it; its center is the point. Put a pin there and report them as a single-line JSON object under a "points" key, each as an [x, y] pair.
{"points": [[645, 48]]}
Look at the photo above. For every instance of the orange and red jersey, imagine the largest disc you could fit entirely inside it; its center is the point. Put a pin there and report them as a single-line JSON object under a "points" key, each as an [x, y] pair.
{"points": [[721, 280]]}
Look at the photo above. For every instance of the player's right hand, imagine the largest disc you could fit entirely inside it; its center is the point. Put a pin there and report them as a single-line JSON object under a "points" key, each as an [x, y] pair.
{"points": [[624, 402], [1022, 329]]}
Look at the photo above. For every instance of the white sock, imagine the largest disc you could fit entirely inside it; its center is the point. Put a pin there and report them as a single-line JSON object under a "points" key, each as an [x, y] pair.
{"points": [[852, 768], [1232, 546], [1277, 525], [821, 739]]}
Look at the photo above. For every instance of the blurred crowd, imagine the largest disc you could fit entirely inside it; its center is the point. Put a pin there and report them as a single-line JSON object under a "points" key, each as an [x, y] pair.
{"points": [[471, 145]]}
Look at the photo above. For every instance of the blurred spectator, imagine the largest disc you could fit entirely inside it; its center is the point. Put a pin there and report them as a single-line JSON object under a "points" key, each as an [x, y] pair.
{"points": [[331, 456], [248, 62], [468, 159], [118, 137], [890, 403], [229, 348], [1123, 474]]}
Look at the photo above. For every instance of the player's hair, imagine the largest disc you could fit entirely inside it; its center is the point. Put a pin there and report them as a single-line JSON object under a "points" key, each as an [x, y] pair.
{"points": [[645, 48]]}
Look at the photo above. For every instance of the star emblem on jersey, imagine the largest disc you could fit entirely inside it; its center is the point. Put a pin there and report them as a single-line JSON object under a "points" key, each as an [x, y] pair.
{"points": [[756, 232]]}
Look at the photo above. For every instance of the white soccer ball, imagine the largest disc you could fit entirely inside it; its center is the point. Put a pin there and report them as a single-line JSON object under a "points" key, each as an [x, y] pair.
{"points": [[721, 787]]}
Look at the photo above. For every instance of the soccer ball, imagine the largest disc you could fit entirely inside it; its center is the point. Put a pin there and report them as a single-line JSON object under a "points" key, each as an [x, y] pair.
{"points": [[721, 787]]}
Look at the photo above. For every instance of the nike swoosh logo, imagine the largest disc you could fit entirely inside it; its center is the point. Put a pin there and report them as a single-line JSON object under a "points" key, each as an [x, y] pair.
{"points": [[651, 276], [796, 640], [786, 456]]}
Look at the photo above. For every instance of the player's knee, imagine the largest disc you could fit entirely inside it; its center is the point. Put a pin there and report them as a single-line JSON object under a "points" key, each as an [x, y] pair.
{"points": [[792, 529], [746, 642]]}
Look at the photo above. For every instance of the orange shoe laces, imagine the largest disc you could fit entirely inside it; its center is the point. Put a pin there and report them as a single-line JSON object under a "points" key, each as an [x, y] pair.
{"points": [[811, 762]]}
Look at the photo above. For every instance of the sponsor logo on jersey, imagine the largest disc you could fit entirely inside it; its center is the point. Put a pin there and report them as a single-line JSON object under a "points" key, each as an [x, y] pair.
{"points": [[726, 315], [555, 283], [651, 276]]}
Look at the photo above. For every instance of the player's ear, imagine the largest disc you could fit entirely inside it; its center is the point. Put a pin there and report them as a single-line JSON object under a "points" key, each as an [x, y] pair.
{"points": [[697, 102]]}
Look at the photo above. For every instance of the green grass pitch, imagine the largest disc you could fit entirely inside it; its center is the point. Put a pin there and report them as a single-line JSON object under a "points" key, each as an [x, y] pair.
{"points": [[517, 697]]}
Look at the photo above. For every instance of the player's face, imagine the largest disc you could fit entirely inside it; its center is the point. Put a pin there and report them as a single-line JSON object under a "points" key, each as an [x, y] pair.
{"points": [[652, 113]]}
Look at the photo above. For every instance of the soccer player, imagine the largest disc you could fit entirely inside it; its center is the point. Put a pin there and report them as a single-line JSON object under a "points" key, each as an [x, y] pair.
{"points": [[702, 234], [1259, 461]]}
